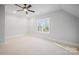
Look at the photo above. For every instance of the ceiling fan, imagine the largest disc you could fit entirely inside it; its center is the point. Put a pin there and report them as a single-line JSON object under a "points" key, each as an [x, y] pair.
{"points": [[25, 8]]}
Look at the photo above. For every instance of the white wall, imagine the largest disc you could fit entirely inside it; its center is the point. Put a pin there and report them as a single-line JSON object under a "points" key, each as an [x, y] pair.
{"points": [[2, 23], [15, 25], [64, 27]]}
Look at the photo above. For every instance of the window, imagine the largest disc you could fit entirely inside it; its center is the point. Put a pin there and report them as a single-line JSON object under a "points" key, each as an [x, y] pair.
{"points": [[43, 25]]}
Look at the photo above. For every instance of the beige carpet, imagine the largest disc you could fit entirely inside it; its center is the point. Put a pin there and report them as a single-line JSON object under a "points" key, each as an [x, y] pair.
{"points": [[31, 45]]}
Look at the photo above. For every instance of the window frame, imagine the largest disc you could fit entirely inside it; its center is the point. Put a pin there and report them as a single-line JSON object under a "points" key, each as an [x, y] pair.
{"points": [[48, 25]]}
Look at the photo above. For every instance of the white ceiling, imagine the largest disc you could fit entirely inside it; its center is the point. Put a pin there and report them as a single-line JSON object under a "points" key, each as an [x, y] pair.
{"points": [[38, 8], [71, 8], [44, 8]]}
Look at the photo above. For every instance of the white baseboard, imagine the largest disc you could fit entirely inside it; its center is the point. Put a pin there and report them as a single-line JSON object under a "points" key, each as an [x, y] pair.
{"points": [[72, 44], [76, 45], [15, 36]]}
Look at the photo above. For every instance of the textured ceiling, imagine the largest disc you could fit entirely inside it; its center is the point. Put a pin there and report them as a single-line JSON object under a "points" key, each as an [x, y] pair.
{"points": [[38, 8], [44, 8]]}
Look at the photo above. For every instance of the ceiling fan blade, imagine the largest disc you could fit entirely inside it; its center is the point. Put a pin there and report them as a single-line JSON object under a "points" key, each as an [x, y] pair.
{"points": [[25, 5], [29, 6], [19, 10], [31, 10], [18, 5], [26, 12]]}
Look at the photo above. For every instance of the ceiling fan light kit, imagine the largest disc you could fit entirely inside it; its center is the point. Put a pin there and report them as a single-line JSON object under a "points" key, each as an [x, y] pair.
{"points": [[25, 8]]}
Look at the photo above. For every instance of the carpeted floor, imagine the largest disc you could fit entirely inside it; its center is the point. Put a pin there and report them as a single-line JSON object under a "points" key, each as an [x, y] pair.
{"points": [[31, 45]]}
